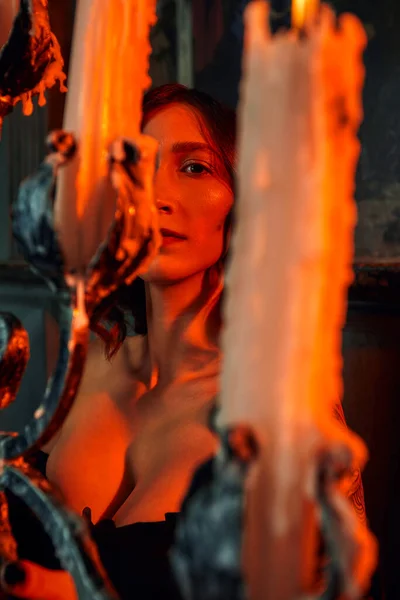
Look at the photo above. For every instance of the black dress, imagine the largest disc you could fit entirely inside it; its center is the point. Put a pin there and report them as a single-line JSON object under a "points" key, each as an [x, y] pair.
{"points": [[134, 556]]}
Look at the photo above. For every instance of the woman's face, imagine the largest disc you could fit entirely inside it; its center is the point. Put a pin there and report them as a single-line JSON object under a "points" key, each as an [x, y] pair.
{"points": [[192, 195]]}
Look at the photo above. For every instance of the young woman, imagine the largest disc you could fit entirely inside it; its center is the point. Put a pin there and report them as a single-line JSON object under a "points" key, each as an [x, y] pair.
{"points": [[138, 428]]}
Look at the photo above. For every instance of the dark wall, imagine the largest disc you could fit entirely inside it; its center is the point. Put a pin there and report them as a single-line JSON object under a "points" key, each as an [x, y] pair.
{"points": [[371, 351], [378, 178]]}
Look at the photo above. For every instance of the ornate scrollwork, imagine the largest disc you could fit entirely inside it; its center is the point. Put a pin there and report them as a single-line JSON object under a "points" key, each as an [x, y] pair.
{"points": [[207, 557], [131, 243], [207, 554]]}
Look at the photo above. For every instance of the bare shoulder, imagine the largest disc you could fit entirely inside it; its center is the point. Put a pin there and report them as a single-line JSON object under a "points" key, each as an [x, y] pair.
{"points": [[101, 372], [104, 382], [98, 368]]}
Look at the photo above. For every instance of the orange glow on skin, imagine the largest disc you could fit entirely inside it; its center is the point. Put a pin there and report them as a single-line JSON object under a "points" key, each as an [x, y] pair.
{"points": [[303, 12]]}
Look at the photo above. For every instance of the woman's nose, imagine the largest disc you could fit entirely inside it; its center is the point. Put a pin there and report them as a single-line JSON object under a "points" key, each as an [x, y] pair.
{"points": [[163, 193], [164, 206]]}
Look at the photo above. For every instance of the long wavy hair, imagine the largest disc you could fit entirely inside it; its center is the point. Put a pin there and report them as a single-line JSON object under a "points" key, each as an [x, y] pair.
{"points": [[111, 319]]}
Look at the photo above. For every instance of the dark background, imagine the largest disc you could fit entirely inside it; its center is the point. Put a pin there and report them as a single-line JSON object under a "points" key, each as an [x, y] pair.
{"points": [[371, 343]]}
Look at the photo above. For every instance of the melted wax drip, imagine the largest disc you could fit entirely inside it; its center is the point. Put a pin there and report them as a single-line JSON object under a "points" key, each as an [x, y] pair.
{"points": [[53, 71]]}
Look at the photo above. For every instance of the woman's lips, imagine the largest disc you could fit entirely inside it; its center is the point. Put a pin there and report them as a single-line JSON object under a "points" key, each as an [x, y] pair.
{"points": [[167, 240], [171, 237]]}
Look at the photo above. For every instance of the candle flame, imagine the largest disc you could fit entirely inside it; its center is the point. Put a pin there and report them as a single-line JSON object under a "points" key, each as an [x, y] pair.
{"points": [[303, 12]]}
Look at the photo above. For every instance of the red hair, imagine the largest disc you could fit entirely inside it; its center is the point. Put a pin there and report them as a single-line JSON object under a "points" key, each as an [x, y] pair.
{"points": [[218, 125]]}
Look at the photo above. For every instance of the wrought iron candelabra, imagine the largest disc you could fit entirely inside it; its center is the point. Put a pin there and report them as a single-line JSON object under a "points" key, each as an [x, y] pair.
{"points": [[77, 298]]}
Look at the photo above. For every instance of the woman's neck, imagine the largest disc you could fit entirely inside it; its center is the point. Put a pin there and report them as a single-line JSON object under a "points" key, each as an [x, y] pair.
{"points": [[183, 320]]}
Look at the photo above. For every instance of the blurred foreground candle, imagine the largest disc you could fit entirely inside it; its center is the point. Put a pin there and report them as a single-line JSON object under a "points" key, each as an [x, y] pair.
{"points": [[300, 110], [108, 75]]}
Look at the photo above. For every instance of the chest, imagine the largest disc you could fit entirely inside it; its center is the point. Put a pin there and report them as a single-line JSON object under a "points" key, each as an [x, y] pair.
{"points": [[109, 444]]}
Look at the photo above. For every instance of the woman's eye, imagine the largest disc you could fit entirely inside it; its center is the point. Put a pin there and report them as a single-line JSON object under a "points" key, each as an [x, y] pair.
{"points": [[195, 169]]}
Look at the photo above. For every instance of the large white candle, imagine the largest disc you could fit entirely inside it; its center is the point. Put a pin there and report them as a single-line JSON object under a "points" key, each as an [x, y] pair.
{"points": [[300, 109], [108, 75]]}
